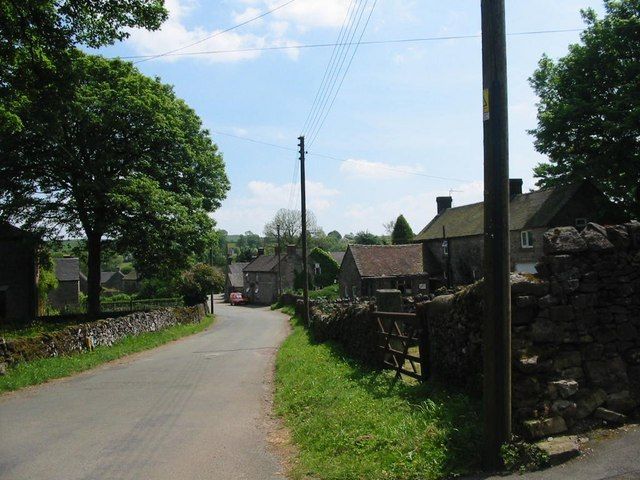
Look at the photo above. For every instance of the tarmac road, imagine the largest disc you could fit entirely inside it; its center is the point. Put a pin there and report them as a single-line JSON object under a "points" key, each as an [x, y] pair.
{"points": [[193, 409]]}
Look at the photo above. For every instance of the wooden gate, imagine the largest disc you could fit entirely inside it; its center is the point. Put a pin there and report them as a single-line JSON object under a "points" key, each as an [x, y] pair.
{"points": [[401, 333]]}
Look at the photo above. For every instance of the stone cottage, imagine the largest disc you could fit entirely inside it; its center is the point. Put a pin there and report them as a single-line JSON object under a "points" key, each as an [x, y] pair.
{"points": [[260, 280], [367, 268], [67, 292], [453, 241], [234, 278], [18, 274]]}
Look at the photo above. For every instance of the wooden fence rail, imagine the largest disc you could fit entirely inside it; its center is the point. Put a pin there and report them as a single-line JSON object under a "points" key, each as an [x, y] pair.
{"points": [[400, 333]]}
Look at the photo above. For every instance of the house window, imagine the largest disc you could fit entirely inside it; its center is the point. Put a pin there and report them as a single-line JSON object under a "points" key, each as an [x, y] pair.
{"points": [[526, 239], [317, 270], [445, 247], [581, 223]]}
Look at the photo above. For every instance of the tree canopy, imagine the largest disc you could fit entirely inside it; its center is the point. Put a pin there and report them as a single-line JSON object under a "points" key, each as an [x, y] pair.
{"points": [[290, 222], [126, 160], [589, 108], [402, 233], [36, 41], [366, 238]]}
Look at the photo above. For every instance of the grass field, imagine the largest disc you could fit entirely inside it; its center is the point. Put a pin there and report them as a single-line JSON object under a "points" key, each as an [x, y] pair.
{"points": [[39, 371], [349, 422]]}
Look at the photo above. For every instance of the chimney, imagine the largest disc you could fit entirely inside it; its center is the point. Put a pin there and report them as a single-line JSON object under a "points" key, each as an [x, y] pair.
{"points": [[515, 186], [260, 251], [291, 250], [443, 203]]}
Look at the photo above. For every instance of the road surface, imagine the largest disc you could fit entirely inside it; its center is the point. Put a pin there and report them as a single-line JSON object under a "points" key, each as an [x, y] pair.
{"points": [[193, 409]]}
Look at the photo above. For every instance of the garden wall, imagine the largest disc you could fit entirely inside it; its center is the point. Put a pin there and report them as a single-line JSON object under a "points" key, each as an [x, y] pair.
{"points": [[575, 332], [86, 336]]}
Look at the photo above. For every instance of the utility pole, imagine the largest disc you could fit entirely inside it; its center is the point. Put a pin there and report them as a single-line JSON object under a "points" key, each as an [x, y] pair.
{"points": [[279, 271], [211, 263], [305, 283], [497, 322]]}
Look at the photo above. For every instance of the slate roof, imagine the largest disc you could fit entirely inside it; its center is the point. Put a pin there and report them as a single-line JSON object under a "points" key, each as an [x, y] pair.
{"points": [[235, 273], [337, 256], [105, 276], [387, 260], [263, 263], [527, 210], [132, 275], [67, 269]]}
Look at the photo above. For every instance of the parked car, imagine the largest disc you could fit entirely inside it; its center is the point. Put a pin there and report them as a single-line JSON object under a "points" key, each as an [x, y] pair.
{"points": [[237, 298]]}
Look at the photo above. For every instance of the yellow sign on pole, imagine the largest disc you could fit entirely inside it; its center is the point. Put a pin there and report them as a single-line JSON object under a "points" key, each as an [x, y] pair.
{"points": [[485, 104]]}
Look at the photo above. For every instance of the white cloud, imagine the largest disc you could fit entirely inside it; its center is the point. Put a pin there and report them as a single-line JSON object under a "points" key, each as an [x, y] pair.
{"points": [[174, 33], [377, 170], [418, 208]]}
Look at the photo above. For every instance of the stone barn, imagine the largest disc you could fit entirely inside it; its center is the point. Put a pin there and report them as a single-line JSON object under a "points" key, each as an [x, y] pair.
{"points": [[67, 292], [367, 268]]}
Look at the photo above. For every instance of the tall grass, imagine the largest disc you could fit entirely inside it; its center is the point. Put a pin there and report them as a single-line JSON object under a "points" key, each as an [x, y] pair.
{"points": [[350, 422]]}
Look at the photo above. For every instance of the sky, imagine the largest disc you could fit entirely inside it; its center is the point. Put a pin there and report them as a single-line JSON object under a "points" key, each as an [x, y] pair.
{"points": [[405, 114]]}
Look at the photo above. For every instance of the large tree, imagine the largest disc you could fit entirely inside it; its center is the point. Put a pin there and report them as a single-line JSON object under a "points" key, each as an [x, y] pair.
{"points": [[290, 222], [402, 233], [36, 37], [589, 109], [126, 160]]}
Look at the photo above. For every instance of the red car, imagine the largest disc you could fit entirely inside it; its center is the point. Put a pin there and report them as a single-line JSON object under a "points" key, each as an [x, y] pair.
{"points": [[237, 298]]}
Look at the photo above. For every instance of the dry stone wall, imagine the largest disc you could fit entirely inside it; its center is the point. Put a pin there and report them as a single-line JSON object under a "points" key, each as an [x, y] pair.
{"points": [[86, 336], [575, 332]]}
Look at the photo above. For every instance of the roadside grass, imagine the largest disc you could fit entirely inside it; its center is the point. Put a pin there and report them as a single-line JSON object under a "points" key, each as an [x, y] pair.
{"points": [[33, 329], [45, 369], [350, 422]]}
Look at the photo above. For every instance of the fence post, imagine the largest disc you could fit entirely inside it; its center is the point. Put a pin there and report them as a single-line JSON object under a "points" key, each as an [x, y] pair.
{"points": [[423, 344]]}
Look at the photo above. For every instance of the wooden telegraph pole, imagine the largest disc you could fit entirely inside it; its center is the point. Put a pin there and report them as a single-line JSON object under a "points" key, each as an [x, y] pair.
{"points": [[305, 283], [497, 323], [279, 256]]}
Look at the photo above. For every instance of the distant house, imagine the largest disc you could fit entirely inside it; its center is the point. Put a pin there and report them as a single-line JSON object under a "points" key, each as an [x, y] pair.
{"points": [[18, 275], [367, 268], [67, 292], [131, 282], [260, 280], [234, 278], [453, 241]]}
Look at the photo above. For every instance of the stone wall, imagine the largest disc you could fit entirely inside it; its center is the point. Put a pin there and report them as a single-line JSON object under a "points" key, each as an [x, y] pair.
{"points": [[575, 332], [86, 336]]}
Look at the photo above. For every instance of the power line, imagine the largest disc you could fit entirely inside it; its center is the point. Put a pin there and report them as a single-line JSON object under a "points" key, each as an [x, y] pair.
{"points": [[253, 19], [313, 139], [337, 159], [325, 45], [336, 71], [331, 59]]}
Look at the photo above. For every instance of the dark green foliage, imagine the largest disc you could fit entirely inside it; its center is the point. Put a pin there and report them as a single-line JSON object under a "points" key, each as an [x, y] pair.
{"points": [[36, 43], [126, 160], [328, 268], [520, 456], [589, 109], [327, 293], [298, 279], [402, 233], [199, 281], [366, 238]]}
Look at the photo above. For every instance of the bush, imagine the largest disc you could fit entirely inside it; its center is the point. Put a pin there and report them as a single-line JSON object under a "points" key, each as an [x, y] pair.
{"points": [[198, 282], [520, 456]]}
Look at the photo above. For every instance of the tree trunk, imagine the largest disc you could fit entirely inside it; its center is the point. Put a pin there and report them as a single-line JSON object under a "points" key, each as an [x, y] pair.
{"points": [[93, 278]]}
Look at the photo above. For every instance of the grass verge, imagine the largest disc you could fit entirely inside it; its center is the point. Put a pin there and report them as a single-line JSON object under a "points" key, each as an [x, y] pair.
{"points": [[39, 371], [350, 422]]}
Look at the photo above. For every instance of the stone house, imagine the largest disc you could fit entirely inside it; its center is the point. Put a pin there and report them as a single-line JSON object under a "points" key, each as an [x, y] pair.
{"points": [[131, 282], [367, 268], [453, 241], [18, 275], [67, 292], [234, 279], [260, 282]]}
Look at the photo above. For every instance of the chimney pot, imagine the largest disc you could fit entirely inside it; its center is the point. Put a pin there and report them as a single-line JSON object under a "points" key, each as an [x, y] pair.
{"points": [[260, 251], [291, 250], [515, 186], [443, 203]]}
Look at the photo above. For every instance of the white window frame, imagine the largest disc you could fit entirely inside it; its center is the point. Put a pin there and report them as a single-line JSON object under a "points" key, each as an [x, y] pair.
{"points": [[526, 239]]}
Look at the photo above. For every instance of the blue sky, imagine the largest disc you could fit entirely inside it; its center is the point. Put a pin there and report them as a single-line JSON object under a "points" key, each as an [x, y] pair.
{"points": [[403, 109]]}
